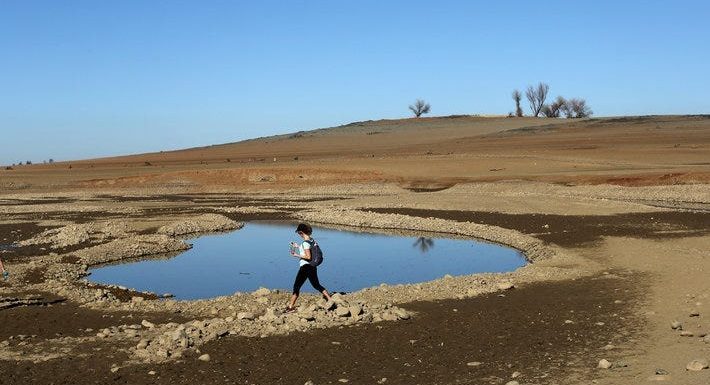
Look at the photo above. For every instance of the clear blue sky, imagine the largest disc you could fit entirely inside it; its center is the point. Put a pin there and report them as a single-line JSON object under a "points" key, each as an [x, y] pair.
{"points": [[92, 78]]}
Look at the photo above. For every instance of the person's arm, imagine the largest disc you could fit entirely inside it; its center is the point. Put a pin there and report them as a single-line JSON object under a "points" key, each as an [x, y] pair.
{"points": [[306, 254]]}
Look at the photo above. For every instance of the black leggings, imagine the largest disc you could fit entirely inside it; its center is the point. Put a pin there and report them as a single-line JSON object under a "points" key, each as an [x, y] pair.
{"points": [[310, 272]]}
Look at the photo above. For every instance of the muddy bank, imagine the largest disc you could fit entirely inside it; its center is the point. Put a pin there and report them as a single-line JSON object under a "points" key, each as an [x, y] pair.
{"points": [[527, 331], [578, 230], [52, 316]]}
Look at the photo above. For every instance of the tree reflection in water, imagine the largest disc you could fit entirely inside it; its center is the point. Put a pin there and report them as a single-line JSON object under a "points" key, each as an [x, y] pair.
{"points": [[423, 244]]}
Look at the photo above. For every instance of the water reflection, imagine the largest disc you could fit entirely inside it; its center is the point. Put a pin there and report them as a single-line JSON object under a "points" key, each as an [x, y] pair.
{"points": [[424, 244]]}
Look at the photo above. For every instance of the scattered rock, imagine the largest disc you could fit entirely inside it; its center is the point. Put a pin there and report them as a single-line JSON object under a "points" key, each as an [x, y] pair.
{"points": [[686, 333], [474, 363], [131, 247], [512, 383], [339, 299], [147, 324], [506, 285], [676, 325], [200, 224], [143, 344], [695, 313], [261, 292], [604, 364], [697, 365], [341, 311], [401, 313], [205, 357], [355, 310], [245, 315], [382, 380]]}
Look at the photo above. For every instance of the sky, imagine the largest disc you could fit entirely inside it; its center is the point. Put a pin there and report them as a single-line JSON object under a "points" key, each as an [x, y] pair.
{"points": [[83, 79]]}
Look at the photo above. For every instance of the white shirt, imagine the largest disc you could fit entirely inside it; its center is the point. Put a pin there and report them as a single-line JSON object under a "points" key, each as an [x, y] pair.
{"points": [[302, 251]]}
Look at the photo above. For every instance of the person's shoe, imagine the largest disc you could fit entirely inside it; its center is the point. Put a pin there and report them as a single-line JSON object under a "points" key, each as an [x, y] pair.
{"points": [[289, 309]]}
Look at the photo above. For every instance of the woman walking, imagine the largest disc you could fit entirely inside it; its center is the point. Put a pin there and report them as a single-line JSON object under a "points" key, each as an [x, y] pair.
{"points": [[307, 269]]}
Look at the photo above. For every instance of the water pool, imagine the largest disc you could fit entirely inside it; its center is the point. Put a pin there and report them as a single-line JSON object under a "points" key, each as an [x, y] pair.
{"points": [[257, 255]]}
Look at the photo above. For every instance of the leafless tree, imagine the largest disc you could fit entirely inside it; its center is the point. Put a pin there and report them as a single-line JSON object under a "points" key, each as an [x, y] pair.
{"points": [[577, 108], [420, 107], [536, 96], [553, 109], [517, 97]]}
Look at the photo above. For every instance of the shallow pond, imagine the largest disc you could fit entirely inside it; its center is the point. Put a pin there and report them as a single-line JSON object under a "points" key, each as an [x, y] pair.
{"points": [[258, 255]]}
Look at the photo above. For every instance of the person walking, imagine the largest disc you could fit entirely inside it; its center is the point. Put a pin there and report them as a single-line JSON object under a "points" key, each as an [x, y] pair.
{"points": [[308, 262]]}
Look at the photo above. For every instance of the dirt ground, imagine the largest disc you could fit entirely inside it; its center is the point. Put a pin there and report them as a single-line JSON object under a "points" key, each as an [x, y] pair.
{"points": [[623, 205]]}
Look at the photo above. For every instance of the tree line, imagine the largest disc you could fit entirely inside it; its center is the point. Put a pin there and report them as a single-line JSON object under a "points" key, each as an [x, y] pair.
{"points": [[537, 96]]}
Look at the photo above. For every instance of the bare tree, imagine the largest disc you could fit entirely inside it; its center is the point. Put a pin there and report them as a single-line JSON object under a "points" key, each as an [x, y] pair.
{"points": [[420, 107], [577, 108], [536, 96], [517, 97], [553, 109]]}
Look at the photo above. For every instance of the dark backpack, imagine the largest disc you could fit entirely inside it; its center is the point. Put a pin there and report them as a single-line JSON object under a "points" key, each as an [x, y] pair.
{"points": [[316, 253]]}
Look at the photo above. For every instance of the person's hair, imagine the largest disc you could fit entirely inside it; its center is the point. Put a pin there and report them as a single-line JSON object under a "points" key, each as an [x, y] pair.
{"points": [[304, 228]]}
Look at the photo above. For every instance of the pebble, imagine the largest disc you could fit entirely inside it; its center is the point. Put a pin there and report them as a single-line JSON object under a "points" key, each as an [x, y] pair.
{"points": [[261, 292], [343, 380], [516, 375], [695, 313], [686, 333], [474, 363], [505, 285], [147, 324], [676, 325], [604, 364], [205, 357], [355, 310], [342, 311], [512, 383], [382, 380], [309, 382], [697, 365], [245, 315], [152, 372]]}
